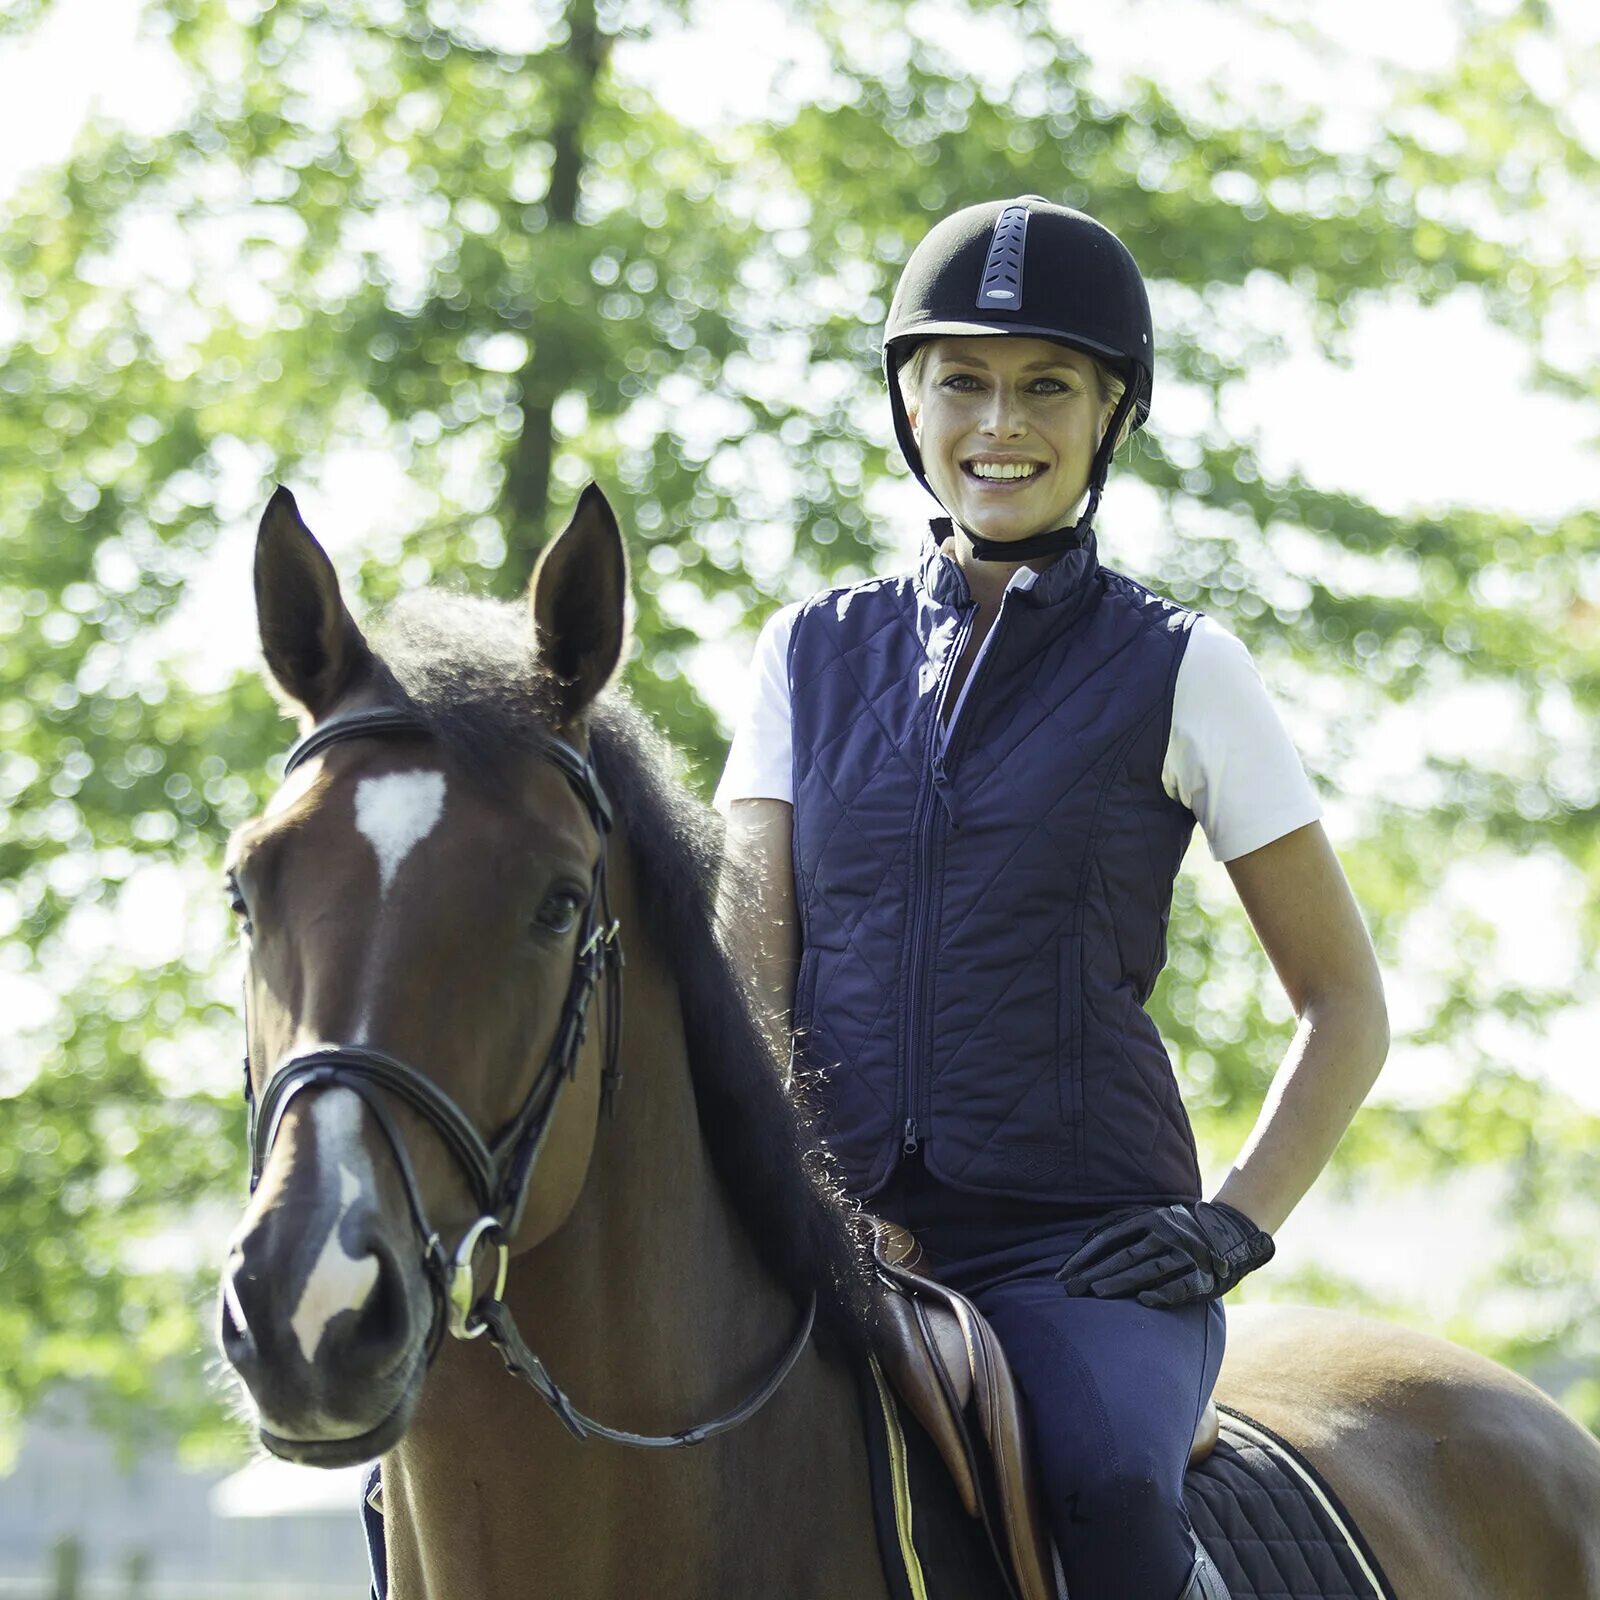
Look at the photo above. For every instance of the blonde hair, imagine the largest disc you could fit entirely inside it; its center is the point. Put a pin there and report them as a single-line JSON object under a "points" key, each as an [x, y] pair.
{"points": [[1111, 385]]}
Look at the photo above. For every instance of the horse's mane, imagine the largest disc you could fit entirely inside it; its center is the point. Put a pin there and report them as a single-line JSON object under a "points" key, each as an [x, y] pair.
{"points": [[467, 666]]}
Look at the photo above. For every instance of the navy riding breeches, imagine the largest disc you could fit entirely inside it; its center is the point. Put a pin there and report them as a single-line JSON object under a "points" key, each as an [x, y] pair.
{"points": [[1113, 1389]]}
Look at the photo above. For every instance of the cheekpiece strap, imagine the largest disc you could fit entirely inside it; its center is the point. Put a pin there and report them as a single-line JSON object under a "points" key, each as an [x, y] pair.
{"points": [[579, 771]]}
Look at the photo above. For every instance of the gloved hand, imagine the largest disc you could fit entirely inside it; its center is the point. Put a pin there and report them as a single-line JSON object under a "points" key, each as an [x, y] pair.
{"points": [[1168, 1255]]}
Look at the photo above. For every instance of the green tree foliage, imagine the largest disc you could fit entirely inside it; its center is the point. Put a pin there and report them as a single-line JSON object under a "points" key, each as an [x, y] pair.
{"points": [[504, 266]]}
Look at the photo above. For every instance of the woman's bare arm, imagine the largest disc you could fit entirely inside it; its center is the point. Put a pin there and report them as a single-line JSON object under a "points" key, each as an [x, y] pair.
{"points": [[757, 905], [1301, 907]]}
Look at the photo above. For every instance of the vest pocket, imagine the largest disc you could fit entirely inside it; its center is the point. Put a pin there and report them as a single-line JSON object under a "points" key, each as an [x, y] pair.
{"points": [[1069, 1029]]}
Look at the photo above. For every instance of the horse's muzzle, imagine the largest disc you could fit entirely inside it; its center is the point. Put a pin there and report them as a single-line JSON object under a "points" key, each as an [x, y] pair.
{"points": [[334, 1366]]}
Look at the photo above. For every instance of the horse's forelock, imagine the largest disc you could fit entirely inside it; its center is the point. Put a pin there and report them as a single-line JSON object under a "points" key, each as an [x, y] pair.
{"points": [[468, 668]]}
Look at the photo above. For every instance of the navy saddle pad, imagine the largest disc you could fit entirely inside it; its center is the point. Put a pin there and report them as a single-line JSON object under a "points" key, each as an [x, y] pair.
{"points": [[1274, 1528]]}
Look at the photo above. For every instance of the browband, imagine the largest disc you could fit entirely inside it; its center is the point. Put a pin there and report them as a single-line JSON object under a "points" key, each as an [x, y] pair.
{"points": [[377, 721]]}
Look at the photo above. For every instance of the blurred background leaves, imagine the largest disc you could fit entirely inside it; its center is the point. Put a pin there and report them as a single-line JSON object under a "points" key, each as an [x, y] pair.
{"points": [[479, 249]]}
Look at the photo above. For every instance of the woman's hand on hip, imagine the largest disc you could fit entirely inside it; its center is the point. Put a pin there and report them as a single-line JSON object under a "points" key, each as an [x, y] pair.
{"points": [[1168, 1255]]}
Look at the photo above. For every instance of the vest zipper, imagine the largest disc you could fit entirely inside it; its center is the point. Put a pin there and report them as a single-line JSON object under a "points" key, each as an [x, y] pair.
{"points": [[985, 655], [941, 749], [920, 1104], [916, 977]]}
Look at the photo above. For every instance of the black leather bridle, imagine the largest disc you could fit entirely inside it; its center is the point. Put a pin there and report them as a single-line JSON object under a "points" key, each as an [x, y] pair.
{"points": [[498, 1171]]}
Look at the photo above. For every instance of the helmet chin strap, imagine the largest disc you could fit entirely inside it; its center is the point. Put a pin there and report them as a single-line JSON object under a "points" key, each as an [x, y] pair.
{"points": [[1056, 540]]}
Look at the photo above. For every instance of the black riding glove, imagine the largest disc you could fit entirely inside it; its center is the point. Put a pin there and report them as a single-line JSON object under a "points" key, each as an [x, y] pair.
{"points": [[1168, 1255]]}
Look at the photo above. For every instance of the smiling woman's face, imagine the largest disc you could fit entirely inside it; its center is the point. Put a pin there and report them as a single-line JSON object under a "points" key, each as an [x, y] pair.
{"points": [[1007, 427]]}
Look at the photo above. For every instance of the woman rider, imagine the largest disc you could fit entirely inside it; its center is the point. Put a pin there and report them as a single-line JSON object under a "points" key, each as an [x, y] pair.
{"points": [[963, 794]]}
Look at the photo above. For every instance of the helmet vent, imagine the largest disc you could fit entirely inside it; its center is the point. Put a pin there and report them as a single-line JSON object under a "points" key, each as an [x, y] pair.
{"points": [[1001, 286]]}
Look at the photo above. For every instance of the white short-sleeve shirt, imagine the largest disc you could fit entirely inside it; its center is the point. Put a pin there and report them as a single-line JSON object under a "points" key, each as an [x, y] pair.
{"points": [[1229, 758]]}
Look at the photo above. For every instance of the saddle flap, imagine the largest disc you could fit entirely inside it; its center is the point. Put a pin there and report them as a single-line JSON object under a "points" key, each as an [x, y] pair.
{"points": [[948, 1367], [926, 1360]]}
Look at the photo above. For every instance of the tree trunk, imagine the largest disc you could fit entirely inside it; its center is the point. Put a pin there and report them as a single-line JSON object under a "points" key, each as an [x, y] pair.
{"points": [[525, 498]]}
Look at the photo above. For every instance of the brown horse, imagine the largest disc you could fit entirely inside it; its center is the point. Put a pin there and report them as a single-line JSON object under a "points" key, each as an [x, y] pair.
{"points": [[430, 902]]}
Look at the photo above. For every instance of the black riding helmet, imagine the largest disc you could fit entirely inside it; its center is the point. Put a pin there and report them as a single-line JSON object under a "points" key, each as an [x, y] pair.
{"points": [[1045, 271]]}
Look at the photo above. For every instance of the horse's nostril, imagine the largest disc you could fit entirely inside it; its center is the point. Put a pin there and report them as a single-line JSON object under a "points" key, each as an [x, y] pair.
{"points": [[386, 1316], [379, 1334]]}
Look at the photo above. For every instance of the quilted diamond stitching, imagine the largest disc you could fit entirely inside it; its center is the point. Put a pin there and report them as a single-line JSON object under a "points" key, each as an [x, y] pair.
{"points": [[1269, 1537], [979, 776]]}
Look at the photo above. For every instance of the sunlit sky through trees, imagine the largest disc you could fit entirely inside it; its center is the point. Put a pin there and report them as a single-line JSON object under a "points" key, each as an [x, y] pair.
{"points": [[1423, 408], [1412, 410]]}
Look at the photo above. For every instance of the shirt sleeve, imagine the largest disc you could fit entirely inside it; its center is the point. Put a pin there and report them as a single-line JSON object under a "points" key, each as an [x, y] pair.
{"points": [[1230, 759], [760, 761]]}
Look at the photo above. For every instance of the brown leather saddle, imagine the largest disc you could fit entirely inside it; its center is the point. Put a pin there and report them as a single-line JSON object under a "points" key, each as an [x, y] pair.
{"points": [[949, 1370]]}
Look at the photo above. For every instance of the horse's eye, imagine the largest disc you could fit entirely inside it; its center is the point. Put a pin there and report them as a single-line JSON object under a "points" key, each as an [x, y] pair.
{"points": [[559, 913], [236, 903]]}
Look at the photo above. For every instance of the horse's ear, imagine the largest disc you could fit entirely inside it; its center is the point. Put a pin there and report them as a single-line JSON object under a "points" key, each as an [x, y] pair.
{"points": [[579, 597], [313, 647]]}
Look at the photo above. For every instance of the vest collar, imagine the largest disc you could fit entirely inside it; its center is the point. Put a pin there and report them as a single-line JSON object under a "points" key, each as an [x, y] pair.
{"points": [[1066, 578]]}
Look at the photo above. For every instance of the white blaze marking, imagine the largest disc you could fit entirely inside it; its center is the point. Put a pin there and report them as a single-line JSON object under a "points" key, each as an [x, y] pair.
{"points": [[338, 1282], [395, 813]]}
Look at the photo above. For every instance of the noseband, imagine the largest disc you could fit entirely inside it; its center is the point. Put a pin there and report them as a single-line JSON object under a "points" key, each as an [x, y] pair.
{"points": [[498, 1170]]}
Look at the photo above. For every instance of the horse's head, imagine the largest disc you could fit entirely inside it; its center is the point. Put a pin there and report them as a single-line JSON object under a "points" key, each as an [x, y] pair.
{"points": [[424, 923]]}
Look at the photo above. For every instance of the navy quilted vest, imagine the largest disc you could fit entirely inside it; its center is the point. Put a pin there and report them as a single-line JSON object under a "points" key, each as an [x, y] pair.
{"points": [[984, 915]]}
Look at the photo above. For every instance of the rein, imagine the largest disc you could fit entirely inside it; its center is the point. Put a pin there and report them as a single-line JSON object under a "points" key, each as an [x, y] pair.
{"points": [[499, 1170]]}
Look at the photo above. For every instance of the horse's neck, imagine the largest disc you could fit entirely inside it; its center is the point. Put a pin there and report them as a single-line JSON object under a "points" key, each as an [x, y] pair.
{"points": [[652, 1307], [663, 1294]]}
